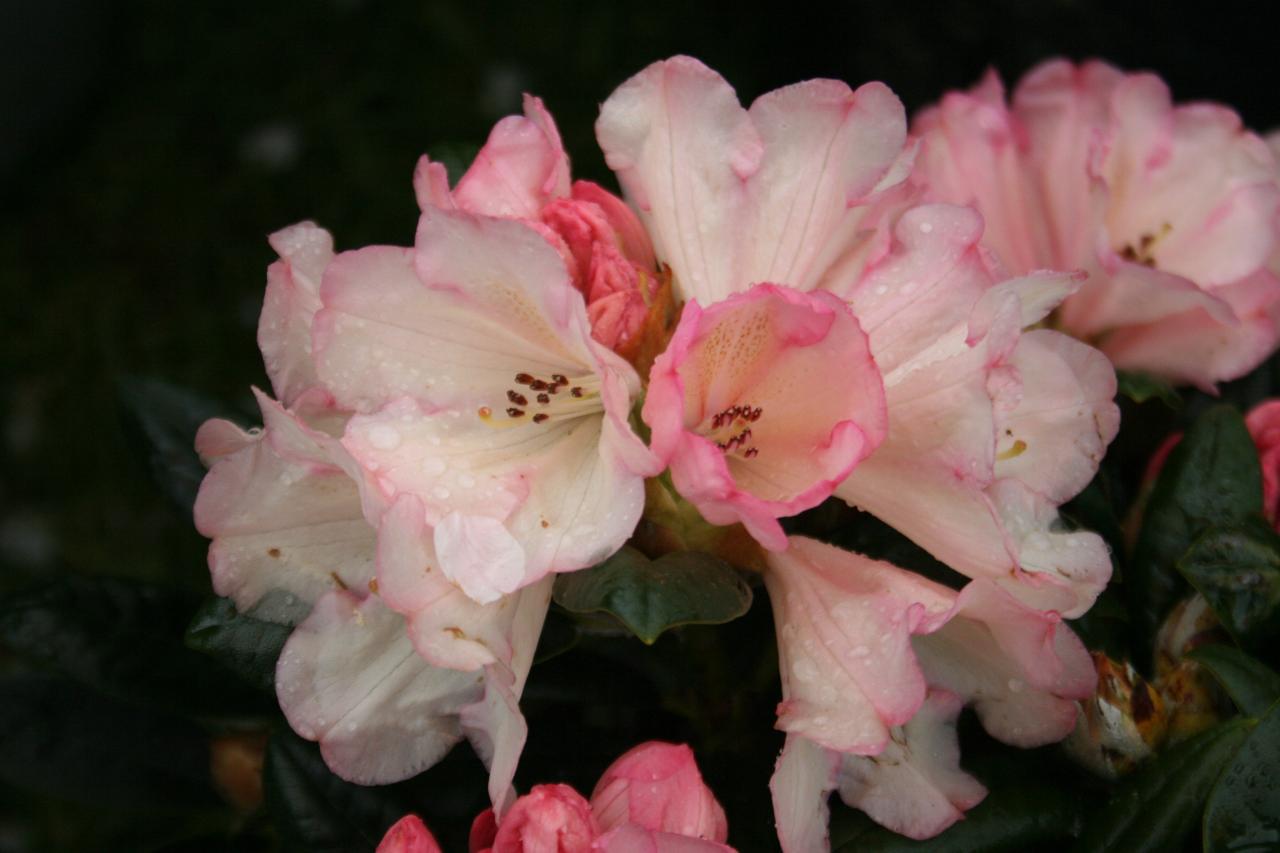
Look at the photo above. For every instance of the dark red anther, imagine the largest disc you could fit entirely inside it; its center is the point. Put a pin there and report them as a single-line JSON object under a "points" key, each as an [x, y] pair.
{"points": [[575, 391], [559, 379], [524, 379], [538, 385], [515, 413], [543, 399], [540, 417], [518, 399]]}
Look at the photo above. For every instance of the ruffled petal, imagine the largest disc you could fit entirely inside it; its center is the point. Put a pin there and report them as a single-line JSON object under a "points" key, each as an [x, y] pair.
{"points": [[754, 422], [520, 169], [632, 838], [915, 786], [408, 835], [548, 819], [348, 677], [285, 519], [682, 147], [292, 299], [805, 776], [1021, 668], [845, 624]]}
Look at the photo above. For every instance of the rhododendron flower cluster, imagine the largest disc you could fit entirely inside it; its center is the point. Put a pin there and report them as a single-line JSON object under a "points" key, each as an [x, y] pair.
{"points": [[790, 302]]}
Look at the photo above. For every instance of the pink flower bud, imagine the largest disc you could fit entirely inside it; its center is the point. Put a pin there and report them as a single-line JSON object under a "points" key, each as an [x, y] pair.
{"points": [[409, 835], [657, 786], [548, 819]]}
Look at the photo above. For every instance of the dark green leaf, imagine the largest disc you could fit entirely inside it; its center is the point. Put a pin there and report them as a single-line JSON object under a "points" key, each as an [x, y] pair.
{"points": [[1243, 814], [248, 647], [121, 637], [1141, 387], [1237, 570], [166, 418], [650, 596], [67, 741], [1211, 478], [1250, 683], [1158, 807], [316, 811]]}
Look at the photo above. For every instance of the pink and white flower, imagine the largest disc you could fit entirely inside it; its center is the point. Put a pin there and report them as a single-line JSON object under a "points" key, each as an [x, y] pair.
{"points": [[988, 429], [1171, 210], [481, 393], [408, 835], [877, 662]]}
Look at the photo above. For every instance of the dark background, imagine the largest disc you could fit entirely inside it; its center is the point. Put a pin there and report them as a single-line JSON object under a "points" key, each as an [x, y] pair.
{"points": [[147, 148]]}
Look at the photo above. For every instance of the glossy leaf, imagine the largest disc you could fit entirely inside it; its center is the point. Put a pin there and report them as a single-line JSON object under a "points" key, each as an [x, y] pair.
{"points": [[248, 647], [652, 596], [1243, 814], [1211, 478], [1250, 683], [1157, 808], [1141, 387], [316, 811], [1237, 570]]}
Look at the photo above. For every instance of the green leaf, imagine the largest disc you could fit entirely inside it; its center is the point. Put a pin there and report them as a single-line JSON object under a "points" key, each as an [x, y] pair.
{"points": [[121, 637], [651, 596], [1250, 683], [67, 741], [1237, 570], [165, 419], [316, 811], [1141, 387], [1243, 814], [1211, 478], [248, 647], [1157, 808]]}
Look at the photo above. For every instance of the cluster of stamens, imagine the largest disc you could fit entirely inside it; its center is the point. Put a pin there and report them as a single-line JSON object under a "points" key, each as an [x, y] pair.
{"points": [[533, 391], [734, 421], [1142, 253]]}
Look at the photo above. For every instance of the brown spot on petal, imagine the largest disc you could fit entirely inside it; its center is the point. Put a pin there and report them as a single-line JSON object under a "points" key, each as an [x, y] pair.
{"points": [[458, 633], [273, 553]]}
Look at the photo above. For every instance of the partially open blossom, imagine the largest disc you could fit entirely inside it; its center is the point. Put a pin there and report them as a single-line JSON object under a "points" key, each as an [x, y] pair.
{"points": [[408, 835], [651, 800], [744, 405], [657, 786], [876, 663], [523, 173], [481, 393], [1171, 210]]}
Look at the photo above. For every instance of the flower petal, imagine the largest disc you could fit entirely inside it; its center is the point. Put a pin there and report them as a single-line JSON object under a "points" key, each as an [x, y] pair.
{"points": [[631, 838], [657, 786], [915, 787], [1020, 667], [285, 519], [844, 643], [519, 170], [408, 835], [803, 779], [292, 299]]}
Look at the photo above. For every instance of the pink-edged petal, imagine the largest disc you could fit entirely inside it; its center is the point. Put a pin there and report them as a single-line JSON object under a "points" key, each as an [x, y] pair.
{"points": [[1021, 668], [804, 777], [290, 304], [632, 838], [682, 147], [657, 786], [408, 835], [915, 787], [744, 405], [494, 724], [508, 504], [973, 153], [349, 678], [826, 150], [844, 643], [431, 185], [1065, 416], [548, 819], [1194, 347], [520, 169], [448, 628], [286, 521]]}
